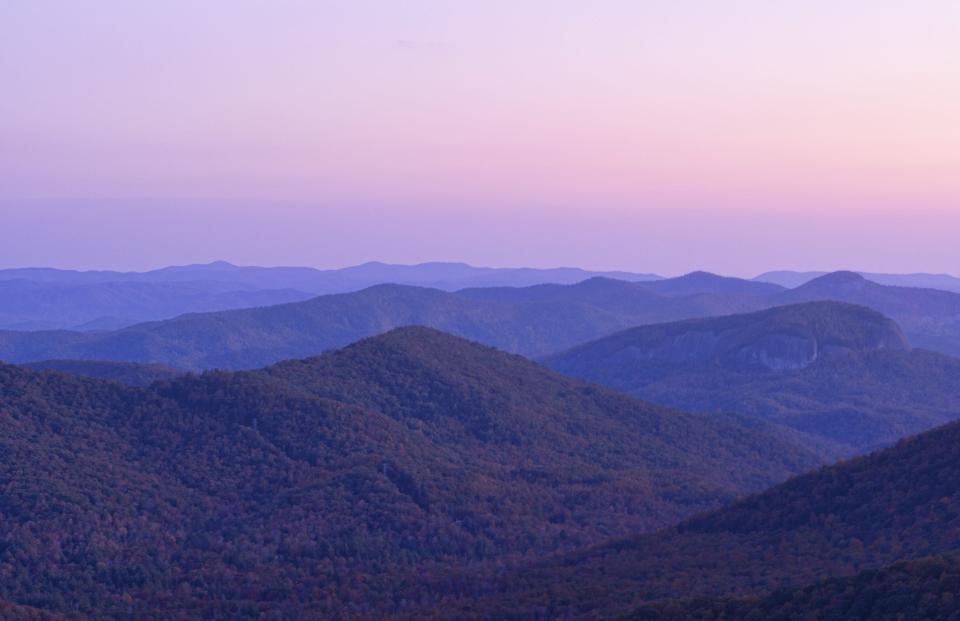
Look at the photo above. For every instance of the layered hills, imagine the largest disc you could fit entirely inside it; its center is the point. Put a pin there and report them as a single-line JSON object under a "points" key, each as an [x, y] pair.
{"points": [[339, 486], [532, 321], [48, 299]]}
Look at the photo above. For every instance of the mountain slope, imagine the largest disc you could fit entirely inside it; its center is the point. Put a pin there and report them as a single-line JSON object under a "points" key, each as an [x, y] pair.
{"points": [[842, 375], [898, 504], [337, 486]]}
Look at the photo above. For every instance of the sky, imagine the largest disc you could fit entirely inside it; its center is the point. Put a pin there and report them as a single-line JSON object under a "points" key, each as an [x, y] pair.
{"points": [[656, 136]]}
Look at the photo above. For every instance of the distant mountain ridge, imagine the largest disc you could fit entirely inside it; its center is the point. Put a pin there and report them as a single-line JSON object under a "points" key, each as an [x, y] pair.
{"points": [[531, 321], [53, 299], [437, 275]]}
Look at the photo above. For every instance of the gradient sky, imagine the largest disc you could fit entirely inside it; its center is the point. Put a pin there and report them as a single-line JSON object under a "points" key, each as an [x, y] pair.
{"points": [[664, 136]]}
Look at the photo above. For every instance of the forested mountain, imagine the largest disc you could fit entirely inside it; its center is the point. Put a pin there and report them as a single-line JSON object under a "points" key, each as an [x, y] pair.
{"points": [[844, 376], [531, 321], [344, 485], [922, 589], [897, 504]]}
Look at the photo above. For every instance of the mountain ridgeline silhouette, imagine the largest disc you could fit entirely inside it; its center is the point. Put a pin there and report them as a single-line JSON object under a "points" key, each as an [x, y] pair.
{"points": [[533, 321], [47, 299]]}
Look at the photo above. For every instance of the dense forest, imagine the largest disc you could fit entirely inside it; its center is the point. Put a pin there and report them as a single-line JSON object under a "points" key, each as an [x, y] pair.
{"points": [[351, 484], [922, 590], [897, 504]]}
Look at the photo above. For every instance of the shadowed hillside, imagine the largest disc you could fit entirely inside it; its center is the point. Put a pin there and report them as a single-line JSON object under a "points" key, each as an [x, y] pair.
{"points": [[338, 485], [923, 589]]}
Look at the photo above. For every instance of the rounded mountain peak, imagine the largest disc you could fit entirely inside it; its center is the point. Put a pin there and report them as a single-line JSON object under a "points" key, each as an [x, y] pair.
{"points": [[839, 278]]}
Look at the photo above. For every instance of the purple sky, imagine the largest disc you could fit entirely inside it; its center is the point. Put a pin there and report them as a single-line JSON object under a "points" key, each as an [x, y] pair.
{"points": [[653, 136]]}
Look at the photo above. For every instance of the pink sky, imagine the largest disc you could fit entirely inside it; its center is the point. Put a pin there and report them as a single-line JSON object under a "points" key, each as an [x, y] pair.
{"points": [[657, 136]]}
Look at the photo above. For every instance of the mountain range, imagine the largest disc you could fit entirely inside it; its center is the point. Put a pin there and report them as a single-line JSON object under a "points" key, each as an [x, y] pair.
{"points": [[54, 299], [533, 321], [843, 376], [47, 298], [338, 486], [437, 275]]}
